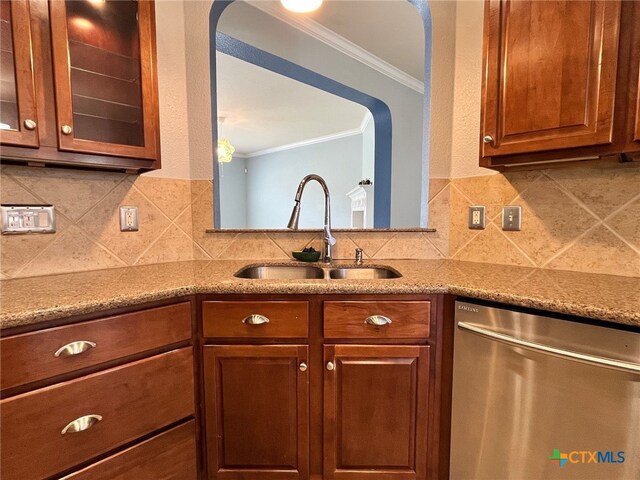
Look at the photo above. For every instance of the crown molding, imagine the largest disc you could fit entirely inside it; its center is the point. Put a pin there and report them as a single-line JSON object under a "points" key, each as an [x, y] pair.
{"points": [[304, 143], [341, 44]]}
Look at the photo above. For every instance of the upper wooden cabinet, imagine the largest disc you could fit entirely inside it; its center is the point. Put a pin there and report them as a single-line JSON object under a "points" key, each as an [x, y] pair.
{"points": [[558, 80], [18, 117], [90, 67]]}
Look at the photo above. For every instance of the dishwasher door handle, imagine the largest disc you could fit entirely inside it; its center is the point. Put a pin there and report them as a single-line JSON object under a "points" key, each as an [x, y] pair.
{"points": [[581, 357]]}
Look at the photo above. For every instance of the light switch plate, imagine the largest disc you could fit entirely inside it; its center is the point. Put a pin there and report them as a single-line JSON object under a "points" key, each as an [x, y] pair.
{"points": [[20, 219], [128, 219], [512, 218], [476, 217]]}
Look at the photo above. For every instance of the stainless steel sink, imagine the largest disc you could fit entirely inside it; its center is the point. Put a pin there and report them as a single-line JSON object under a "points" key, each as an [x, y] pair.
{"points": [[310, 272], [363, 273], [283, 272]]}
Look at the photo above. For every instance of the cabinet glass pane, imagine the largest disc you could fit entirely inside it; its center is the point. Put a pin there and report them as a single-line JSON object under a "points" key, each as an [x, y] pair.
{"points": [[104, 56], [9, 119]]}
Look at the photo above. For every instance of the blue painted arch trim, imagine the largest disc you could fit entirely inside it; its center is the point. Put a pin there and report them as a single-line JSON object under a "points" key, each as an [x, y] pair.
{"points": [[379, 110]]}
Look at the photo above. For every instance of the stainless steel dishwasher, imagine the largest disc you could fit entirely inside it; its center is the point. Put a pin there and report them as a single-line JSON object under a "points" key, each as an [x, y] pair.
{"points": [[537, 397]]}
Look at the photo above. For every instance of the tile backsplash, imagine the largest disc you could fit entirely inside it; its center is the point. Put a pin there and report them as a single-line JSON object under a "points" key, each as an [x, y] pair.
{"points": [[578, 218]]}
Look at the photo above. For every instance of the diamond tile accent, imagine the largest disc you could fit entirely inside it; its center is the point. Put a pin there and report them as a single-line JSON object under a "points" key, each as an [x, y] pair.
{"points": [[103, 223], [599, 251], [73, 251], [492, 246], [602, 189], [550, 221], [73, 192], [626, 223], [408, 245]]}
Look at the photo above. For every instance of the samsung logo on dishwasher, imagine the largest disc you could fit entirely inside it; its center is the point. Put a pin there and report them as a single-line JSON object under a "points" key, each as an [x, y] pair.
{"points": [[586, 456], [467, 308]]}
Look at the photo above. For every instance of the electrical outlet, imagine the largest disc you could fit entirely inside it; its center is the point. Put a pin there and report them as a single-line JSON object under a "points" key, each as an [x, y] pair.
{"points": [[512, 218], [128, 219], [476, 218]]}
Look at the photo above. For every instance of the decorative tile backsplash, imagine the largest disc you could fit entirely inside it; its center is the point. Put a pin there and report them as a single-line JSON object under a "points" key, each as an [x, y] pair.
{"points": [[578, 218]]}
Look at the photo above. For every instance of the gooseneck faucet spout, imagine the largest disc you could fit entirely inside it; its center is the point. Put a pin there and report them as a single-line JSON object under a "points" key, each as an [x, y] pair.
{"points": [[328, 240]]}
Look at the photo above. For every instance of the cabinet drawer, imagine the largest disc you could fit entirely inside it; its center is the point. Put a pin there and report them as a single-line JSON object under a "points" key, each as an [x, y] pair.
{"points": [[132, 400], [233, 319], [168, 456], [358, 319], [32, 356]]}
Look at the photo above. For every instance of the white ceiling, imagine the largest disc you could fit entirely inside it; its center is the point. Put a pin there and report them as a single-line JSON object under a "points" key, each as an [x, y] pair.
{"points": [[262, 108]]}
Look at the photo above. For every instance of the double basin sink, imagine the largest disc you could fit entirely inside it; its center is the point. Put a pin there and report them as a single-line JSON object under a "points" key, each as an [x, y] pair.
{"points": [[312, 272]]}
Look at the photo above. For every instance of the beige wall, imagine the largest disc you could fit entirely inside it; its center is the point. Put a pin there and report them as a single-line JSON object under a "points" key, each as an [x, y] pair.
{"points": [[582, 218]]}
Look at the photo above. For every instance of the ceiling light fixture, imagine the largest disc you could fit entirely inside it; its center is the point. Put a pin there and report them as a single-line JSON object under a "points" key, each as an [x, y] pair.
{"points": [[301, 6], [225, 150]]}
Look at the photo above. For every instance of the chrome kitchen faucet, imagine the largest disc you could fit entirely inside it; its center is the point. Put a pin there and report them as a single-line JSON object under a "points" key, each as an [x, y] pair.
{"points": [[327, 238]]}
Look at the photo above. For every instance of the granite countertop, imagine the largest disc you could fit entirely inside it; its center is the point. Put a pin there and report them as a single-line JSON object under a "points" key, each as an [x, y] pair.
{"points": [[27, 301]]}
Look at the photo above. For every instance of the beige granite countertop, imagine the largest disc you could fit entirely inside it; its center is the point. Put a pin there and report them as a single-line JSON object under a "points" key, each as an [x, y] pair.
{"points": [[31, 300]]}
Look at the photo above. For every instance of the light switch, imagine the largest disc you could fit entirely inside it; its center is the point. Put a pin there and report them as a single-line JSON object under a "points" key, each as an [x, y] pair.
{"points": [[28, 219], [512, 218]]}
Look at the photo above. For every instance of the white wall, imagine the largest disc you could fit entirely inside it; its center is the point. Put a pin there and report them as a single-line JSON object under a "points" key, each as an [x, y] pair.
{"points": [[233, 191], [273, 179], [185, 100]]}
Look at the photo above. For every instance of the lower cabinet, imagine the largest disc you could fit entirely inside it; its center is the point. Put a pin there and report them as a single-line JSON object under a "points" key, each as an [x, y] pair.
{"points": [[375, 412], [257, 411], [103, 399], [168, 456], [350, 401]]}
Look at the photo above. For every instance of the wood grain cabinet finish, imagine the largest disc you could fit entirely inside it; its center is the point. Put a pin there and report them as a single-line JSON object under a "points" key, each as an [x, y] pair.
{"points": [[375, 412], [170, 455], [41, 354], [132, 400], [556, 82], [550, 74], [282, 319], [18, 113], [353, 319], [257, 412], [93, 84]]}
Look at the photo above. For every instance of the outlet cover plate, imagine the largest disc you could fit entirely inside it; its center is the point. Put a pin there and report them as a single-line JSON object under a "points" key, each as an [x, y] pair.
{"points": [[477, 217], [128, 219], [512, 218], [20, 219]]}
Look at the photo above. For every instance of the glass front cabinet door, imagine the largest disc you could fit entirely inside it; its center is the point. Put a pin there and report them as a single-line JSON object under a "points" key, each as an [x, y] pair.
{"points": [[18, 119], [104, 76]]}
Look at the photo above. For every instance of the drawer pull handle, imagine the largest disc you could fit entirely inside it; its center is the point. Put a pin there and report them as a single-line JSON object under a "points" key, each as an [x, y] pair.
{"points": [[303, 367], [330, 366], [255, 319], [377, 320], [81, 424], [74, 348]]}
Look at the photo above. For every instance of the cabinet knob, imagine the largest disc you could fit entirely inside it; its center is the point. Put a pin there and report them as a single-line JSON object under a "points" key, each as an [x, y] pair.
{"points": [[30, 124], [303, 367], [330, 366], [487, 139], [74, 348], [255, 319], [81, 424], [66, 129]]}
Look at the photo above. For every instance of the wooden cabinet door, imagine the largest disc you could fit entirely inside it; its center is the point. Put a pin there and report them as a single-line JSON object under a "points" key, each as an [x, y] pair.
{"points": [[104, 75], [549, 75], [257, 412], [18, 116], [375, 412]]}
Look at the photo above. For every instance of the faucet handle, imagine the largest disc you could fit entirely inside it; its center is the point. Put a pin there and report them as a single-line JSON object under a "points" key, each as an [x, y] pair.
{"points": [[358, 256], [328, 236]]}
